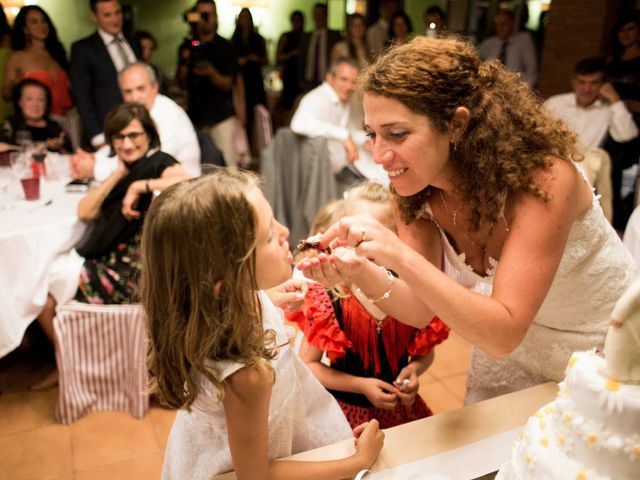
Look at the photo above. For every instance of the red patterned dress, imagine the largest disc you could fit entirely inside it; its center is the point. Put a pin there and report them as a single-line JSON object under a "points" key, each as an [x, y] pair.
{"points": [[358, 345]]}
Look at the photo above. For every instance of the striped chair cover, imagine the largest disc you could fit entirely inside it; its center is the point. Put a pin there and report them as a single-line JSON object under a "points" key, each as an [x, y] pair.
{"points": [[100, 353]]}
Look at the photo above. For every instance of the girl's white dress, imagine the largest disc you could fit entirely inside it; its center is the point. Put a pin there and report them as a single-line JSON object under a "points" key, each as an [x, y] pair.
{"points": [[302, 414], [594, 272]]}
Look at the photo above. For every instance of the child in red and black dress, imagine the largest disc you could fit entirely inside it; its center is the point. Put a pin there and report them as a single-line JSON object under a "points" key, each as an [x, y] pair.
{"points": [[375, 361]]}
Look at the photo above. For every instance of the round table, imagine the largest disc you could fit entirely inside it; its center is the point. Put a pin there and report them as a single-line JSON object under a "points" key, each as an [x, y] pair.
{"points": [[35, 236]]}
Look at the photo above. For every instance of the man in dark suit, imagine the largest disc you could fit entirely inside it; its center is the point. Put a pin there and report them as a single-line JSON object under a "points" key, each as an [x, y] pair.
{"points": [[315, 50], [95, 63]]}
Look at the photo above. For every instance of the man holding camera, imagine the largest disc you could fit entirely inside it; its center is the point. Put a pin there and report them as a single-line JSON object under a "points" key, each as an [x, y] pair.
{"points": [[207, 69]]}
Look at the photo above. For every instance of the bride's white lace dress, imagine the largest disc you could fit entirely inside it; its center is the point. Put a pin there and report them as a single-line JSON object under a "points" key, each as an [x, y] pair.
{"points": [[594, 271]]}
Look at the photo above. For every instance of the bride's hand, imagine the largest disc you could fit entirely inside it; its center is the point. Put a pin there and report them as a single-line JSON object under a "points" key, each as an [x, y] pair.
{"points": [[369, 238], [343, 265]]}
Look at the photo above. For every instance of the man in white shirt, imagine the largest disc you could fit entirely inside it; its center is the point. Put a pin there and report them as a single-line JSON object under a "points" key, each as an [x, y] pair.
{"points": [[378, 33], [178, 138], [330, 110], [515, 50], [594, 107], [95, 63]]}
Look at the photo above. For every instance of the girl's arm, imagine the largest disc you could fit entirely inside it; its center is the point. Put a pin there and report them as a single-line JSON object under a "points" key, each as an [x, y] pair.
{"points": [[246, 404], [380, 393], [529, 261]]}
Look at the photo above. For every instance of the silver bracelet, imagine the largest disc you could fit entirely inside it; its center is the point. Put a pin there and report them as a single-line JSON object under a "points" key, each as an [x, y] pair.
{"points": [[385, 294]]}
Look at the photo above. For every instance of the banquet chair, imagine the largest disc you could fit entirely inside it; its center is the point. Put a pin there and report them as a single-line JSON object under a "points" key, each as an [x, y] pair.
{"points": [[297, 180], [100, 352]]}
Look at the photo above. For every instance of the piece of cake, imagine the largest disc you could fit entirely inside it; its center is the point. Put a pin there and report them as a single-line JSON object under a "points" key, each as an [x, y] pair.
{"points": [[592, 429], [310, 247]]}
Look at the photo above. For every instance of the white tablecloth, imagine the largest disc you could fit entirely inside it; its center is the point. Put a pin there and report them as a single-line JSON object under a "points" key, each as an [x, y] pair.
{"points": [[36, 241]]}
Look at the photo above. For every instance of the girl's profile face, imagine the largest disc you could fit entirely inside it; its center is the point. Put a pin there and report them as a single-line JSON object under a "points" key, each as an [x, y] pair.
{"points": [[413, 152], [273, 258]]}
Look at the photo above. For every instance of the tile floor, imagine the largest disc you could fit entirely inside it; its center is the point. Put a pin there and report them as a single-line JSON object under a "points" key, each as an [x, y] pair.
{"points": [[114, 445]]}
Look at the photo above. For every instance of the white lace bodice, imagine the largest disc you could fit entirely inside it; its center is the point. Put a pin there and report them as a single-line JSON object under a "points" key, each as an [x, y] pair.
{"points": [[594, 272], [302, 415]]}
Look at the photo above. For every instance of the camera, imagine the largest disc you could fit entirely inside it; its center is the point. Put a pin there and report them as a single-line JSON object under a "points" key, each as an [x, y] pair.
{"points": [[192, 53], [192, 17]]}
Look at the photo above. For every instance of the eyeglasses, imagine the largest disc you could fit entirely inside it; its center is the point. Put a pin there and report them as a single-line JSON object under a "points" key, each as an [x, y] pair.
{"points": [[133, 136]]}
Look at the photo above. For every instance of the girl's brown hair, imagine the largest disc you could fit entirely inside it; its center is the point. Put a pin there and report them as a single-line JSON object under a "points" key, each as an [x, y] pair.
{"points": [[198, 285], [508, 135]]}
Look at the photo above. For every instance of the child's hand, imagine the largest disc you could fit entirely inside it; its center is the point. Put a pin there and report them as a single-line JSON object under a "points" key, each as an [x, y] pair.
{"points": [[380, 393], [288, 295], [407, 385], [368, 442]]}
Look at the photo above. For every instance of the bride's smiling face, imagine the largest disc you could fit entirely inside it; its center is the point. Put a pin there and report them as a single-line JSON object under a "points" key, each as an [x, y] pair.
{"points": [[412, 151]]}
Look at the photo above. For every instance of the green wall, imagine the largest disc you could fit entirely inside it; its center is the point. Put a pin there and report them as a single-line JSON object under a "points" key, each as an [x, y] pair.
{"points": [[163, 18]]}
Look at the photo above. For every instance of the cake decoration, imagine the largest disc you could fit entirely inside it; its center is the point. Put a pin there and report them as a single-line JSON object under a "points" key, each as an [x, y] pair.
{"points": [[591, 431]]}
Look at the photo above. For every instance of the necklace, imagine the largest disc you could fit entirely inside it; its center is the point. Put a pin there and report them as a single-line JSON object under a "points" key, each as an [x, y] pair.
{"points": [[452, 215], [462, 228]]}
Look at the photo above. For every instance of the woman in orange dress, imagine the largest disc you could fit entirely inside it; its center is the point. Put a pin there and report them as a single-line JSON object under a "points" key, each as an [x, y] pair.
{"points": [[38, 54]]}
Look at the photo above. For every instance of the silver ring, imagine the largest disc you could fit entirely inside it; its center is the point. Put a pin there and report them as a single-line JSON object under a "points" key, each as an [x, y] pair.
{"points": [[364, 235]]}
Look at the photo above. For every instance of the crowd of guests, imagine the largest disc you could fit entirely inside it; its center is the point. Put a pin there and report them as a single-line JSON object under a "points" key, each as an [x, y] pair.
{"points": [[472, 155]]}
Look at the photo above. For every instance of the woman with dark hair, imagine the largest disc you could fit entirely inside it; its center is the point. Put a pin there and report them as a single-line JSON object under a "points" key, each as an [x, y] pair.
{"points": [[400, 28], [287, 57], [114, 212], [32, 104], [355, 45], [623, 72], [252, 56], [500, 235], [38, 54]]}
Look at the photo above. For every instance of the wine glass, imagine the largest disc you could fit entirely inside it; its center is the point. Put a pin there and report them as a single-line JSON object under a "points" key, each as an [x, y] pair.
{"points": [[6, 178], [20, 164], [23, 138]]}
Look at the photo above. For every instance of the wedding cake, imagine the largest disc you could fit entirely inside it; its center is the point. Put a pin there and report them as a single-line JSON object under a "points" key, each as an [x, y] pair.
{"points": [[592, 429]]}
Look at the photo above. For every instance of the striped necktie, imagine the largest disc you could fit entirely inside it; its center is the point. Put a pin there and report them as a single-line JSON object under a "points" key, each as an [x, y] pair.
{"points": [[121, 51]]}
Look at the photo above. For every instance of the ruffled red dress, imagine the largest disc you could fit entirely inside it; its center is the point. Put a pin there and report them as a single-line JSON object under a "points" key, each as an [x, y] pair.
{"points": [[357, 344]]}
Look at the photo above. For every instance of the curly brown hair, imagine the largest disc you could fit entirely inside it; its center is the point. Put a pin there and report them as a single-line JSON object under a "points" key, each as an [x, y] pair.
{"points": [[508, 135], [198, 284]]}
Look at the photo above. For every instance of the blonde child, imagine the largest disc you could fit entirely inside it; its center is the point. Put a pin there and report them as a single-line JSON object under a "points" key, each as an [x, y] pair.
{"points": [[375, 361], [218, 348]]}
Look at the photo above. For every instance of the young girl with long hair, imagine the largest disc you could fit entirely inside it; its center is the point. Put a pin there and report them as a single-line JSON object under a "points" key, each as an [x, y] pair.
{"points": [[218, 347]]}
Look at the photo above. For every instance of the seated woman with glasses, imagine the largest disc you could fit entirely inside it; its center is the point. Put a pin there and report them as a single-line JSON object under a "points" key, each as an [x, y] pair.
{"points": [[115, 208], [114, 211]]}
